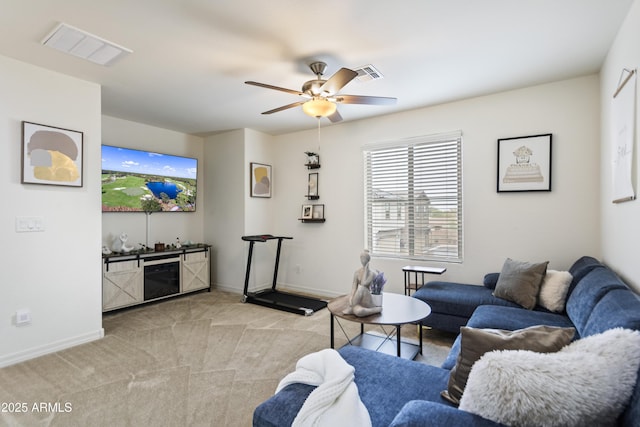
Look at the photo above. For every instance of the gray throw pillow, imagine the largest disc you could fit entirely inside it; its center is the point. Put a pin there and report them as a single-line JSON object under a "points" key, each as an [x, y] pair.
{"points": [[520, 282], [474, 343]]}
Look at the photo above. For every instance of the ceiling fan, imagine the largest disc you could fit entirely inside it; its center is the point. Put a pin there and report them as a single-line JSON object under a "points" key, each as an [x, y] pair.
{"points": [[321, 96]]}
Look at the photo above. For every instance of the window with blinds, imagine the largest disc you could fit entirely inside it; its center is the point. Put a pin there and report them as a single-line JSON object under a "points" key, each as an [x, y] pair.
{"points": [[413, 198]]}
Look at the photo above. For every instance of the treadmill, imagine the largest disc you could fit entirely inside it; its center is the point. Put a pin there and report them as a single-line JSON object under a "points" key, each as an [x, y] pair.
{"points": [[272, 297]]}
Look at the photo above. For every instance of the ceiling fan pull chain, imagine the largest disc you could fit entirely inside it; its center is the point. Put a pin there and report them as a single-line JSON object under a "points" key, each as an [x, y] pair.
{"points": [[318, 135]]}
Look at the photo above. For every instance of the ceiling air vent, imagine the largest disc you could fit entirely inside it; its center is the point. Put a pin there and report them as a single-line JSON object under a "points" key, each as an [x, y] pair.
{"points": [[84, 45], [367, 73]]}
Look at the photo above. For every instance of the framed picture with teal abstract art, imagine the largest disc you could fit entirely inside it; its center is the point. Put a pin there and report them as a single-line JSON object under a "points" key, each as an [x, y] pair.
{"points": [[524, 163], [51, 155], [260, 180]]}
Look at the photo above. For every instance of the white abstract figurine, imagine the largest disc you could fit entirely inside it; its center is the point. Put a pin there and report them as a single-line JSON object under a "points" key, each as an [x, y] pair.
{"points": [[360, 302], [120, 243]]}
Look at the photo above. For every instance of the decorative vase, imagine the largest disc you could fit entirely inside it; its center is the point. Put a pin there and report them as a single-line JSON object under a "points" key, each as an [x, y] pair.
{"points": [[377, 300]]}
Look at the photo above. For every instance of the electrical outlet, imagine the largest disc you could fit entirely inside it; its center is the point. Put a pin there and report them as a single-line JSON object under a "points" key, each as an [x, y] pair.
{"points": [[23, 317], [298, 269], [26, 224]]}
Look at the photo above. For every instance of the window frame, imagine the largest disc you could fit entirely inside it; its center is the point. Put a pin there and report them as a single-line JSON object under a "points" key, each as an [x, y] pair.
{"points": [[420, 171]]}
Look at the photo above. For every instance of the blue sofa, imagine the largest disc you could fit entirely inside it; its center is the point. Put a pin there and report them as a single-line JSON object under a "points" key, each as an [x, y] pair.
{"points": [[398, 392]]}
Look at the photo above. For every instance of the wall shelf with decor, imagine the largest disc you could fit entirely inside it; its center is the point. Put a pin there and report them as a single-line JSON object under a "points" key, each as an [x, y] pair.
{"points": [[313, 160], [312, 212], [312, 219]]}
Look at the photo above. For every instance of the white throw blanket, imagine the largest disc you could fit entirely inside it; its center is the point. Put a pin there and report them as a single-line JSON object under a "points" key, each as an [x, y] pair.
{"points": [[335, 401]]}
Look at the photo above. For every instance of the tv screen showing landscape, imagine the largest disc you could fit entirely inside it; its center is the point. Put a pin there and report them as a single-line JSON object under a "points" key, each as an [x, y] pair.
{"points": [[145, 181]]}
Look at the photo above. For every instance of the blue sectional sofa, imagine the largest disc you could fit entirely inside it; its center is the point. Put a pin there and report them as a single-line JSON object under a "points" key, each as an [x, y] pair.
{"points": [[398, 392]]}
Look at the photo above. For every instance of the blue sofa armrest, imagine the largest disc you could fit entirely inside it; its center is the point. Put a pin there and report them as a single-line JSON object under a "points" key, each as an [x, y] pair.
{"points": [[282, 408], [419, 413]]}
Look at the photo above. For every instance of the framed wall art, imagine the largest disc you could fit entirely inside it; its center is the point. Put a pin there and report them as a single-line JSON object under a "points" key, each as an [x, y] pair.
{"points": [[261, 182], [312, 186], [524, 163], [51, 155], [307, 212]]}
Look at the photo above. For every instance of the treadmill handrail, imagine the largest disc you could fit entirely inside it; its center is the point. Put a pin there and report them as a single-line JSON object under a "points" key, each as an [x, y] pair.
{"points": [[263, 237]]}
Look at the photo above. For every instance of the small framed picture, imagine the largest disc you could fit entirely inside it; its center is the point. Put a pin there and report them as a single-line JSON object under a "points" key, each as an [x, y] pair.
{"points": [[312, 188], [524, 163], [313, 159], [51, 155], [317, 212], [307, 211], [260, 180]]}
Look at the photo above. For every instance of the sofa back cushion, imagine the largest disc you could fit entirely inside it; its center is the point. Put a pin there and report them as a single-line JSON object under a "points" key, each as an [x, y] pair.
{"points": [[581, 268], [588, 292], [618, 308]]}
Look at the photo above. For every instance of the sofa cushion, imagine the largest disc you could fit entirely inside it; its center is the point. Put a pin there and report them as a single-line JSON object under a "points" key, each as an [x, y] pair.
{"points": [[457, 298], [588, 382], [581, 268], [593, 286], [554, 289], [475, 342], [618, 308], [497, 317], [386, 383], [282, 408], [420, 413], [520, 282]]}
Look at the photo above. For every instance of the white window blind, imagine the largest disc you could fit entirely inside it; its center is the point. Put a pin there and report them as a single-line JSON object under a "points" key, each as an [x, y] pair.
{"points": [[413, 198]]}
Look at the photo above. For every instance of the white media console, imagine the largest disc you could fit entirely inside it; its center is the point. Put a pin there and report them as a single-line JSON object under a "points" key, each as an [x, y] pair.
{"points": [[140, 277]]}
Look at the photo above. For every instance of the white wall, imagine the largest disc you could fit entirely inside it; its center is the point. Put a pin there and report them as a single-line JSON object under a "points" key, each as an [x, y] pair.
{"points": [[224, 212], [620, 222], [55, 273], [164, 227], [232, 213], [558, 226]]}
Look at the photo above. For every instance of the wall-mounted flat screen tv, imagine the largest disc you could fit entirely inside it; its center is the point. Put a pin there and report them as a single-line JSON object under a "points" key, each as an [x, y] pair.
{"points": [[146, 181]]}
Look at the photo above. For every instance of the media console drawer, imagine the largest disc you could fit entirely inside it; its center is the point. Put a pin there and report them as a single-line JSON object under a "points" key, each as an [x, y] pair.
{"points": [[132, 279]]}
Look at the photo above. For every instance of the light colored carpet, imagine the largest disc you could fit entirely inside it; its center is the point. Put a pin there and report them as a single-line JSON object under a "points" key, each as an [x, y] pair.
{"points": [[205, 359]]}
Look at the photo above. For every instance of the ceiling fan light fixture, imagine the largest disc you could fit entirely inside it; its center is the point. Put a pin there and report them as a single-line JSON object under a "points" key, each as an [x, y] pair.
{"points": [[319, 107]]}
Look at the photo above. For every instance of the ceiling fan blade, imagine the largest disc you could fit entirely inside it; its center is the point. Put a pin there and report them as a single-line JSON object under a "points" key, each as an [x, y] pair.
{"points": [[370, 100], [284, 107], [282, 89], [337, 81], [335, 117]]}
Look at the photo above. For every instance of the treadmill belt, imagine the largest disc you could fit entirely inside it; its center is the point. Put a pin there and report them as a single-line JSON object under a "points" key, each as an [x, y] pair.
{"points": [[287, 302]]}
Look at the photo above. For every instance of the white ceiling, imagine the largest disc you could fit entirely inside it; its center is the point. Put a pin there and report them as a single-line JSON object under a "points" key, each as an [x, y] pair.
{"points": [[191, 57]]}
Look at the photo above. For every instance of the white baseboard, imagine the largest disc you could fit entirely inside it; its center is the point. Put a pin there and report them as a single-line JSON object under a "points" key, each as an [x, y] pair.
{"points": [[21, 356]]}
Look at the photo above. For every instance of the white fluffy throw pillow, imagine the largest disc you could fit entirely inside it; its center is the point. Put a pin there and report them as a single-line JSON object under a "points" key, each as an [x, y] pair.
{"points": [[588, 382], [553, 291]]}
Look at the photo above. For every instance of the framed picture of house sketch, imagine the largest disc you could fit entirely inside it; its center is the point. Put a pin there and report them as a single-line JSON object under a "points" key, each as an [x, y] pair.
{"points": [[524, 163]]}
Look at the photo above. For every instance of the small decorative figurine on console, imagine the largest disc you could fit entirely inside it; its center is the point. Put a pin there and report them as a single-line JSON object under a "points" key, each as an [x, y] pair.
{"points": [[360, 303], [120, 243]]}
